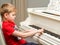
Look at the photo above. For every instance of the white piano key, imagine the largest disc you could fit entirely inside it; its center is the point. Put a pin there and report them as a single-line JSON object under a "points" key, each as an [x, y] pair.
{"points": [[53, 40], [42, 41], [52, 37], [48, 38]]}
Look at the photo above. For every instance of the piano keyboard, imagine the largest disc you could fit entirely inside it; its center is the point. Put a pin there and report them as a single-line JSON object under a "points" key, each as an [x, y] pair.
{"points": [[47, 38], [46, 31]]}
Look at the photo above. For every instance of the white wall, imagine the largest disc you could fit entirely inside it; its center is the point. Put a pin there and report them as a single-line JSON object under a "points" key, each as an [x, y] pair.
{"points": [[37, 3]]}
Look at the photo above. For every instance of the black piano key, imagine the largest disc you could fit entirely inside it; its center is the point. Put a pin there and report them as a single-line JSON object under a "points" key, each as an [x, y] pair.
{"points": [[36, 27], [46, 31]]}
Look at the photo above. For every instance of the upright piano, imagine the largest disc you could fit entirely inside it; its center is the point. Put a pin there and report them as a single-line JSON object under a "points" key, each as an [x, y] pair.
{"points": [[49, 19]]}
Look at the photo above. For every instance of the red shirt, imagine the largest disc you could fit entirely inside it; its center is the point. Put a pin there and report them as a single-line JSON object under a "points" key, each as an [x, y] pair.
{"points": [[8, 28]]}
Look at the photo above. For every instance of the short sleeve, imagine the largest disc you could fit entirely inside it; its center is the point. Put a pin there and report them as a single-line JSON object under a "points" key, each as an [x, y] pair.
{"points": [[8, 29]]}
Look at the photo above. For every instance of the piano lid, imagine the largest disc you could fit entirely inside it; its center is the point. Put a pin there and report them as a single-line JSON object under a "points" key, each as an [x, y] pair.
{"points": [[52, 11], [53, 7]]}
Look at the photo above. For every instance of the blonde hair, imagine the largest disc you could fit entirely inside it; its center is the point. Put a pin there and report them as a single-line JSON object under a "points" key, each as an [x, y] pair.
{"points": [[7, 8]]}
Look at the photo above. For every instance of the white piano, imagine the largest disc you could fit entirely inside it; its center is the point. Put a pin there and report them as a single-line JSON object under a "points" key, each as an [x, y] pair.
{"points": [[49, 19]]}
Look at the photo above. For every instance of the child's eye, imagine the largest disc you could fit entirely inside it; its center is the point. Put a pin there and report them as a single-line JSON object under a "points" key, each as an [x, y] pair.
{"points": [[13, 15]]}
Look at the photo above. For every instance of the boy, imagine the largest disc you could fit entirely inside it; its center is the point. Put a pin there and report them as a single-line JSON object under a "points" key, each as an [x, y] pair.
{"points": [[10, 30]]}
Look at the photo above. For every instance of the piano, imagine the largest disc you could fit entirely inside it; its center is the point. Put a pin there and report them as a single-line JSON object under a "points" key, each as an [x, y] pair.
{"points": [[49, 19]]}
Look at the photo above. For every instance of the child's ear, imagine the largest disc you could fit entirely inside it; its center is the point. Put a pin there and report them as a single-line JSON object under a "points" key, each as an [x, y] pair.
{"points": [[6, 15]]}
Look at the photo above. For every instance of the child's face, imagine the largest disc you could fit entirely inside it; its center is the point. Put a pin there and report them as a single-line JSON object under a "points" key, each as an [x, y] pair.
{"points": [[11, 16]]}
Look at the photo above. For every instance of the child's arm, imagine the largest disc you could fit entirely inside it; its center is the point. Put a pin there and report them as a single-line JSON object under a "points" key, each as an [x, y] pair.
{"points": [[24, 35]]}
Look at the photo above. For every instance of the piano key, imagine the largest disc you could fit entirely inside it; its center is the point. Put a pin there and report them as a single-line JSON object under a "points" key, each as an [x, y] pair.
{"points": [[41, 41], [56, 39], [46, 31], [51, 38], [46, 37]]}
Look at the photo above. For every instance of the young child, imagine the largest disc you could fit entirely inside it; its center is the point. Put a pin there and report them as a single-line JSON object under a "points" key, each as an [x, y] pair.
{"points": [[9, 29]]}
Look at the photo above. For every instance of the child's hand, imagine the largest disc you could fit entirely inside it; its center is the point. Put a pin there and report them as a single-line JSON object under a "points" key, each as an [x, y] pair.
{"points": [[41, 31]]}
